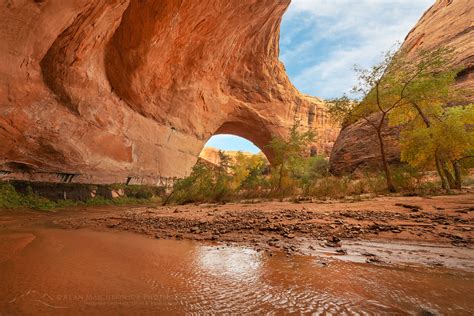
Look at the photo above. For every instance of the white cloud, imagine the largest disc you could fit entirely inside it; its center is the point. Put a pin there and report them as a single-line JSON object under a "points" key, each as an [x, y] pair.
{"points": [[361, 29]]}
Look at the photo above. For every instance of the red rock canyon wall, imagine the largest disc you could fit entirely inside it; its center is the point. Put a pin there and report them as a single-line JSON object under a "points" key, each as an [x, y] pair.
{"points": [[110, 90], [446, 23]]}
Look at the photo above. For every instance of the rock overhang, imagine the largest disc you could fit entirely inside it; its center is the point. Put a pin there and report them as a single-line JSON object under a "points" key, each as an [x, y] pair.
{"points": [[112, 89]]}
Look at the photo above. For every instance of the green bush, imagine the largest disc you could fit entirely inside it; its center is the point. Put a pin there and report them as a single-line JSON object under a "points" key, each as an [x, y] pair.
{"points": [[139, 191], [330, 188], [10, 199], [197, 187], [406, 178], [374, 183]]}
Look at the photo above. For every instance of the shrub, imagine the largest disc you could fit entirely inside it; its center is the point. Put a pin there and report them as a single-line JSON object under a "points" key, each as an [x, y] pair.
{"points": [[199, 186], [406, 178], [10, 198], [140, 192], [330, 188]]}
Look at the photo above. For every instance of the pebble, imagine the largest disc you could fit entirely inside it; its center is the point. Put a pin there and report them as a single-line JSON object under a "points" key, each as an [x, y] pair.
{"points": [[195, 229], [373, 260], [341, 251]]}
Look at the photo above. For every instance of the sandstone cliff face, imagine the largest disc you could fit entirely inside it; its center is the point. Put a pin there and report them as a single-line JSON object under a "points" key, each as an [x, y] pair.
{"points": [[211, 155], [107, 91], [446, 23]]}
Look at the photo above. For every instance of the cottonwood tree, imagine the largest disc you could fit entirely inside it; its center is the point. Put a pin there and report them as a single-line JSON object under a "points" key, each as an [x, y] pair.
{"points": [[379, 91], [415, 93], [248, 172], [445, 144], [436, 122], [198, 186], [289, 154]]}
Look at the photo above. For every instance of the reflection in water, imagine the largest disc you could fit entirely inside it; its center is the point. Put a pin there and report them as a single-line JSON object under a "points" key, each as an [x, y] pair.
{"points": [[68, 272], [237, 263]]}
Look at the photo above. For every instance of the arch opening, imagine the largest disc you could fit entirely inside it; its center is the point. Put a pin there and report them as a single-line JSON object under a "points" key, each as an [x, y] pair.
{"points": [[229, 142], [248, 131], [231, 145], [256, 133]]}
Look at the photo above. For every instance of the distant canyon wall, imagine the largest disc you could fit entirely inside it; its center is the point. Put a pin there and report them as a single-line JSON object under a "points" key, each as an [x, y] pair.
{"points": [[446, 23]]}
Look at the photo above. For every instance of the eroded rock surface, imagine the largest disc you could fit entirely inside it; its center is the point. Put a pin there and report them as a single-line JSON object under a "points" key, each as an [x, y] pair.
{"points": [[112, 90], [446, 23]]}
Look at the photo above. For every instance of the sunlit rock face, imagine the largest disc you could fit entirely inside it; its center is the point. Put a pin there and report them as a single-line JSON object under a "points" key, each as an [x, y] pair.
{"points": [[211, 155], [446, 23], [107, 91]]}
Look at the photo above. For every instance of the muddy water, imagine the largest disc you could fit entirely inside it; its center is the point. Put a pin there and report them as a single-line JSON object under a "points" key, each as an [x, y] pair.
{"points": [[48, 271]]}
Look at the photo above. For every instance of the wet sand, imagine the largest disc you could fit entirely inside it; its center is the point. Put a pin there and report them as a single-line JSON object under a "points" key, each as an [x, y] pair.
{"points": [[445, 220], [390, 255]]}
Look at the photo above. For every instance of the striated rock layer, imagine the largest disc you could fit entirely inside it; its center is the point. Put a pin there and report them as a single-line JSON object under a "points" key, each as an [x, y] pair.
{"points": [[104, 91], [446, 23]]}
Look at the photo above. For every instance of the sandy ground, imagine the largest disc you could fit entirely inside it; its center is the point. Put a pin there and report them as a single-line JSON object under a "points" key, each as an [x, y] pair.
{"points": [[444, 220]]}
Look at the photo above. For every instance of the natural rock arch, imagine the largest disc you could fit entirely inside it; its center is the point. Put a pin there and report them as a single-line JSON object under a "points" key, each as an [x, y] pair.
{"points": [[113, 89], [259, 136]]}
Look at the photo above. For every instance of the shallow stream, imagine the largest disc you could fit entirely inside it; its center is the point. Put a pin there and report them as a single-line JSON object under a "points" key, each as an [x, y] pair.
{"points": [[44, 271]]}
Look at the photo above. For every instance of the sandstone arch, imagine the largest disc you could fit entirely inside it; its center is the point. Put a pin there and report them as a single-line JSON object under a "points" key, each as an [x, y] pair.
{"points": [[261, 138], [252, 127], [210, 153], [112, 89]]}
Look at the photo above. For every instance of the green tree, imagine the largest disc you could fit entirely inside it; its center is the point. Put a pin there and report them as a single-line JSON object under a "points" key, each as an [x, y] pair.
{"points": [[198, 186], [435, 131], [380, 90], [248, 170], [309, 170], [411, 92], [223, 178], [249, 174], [289, 155], [446, 139]]}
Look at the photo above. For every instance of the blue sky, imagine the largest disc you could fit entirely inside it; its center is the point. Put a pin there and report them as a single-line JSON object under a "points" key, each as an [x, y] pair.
{"points": [[231, 142], [322, 40]]}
